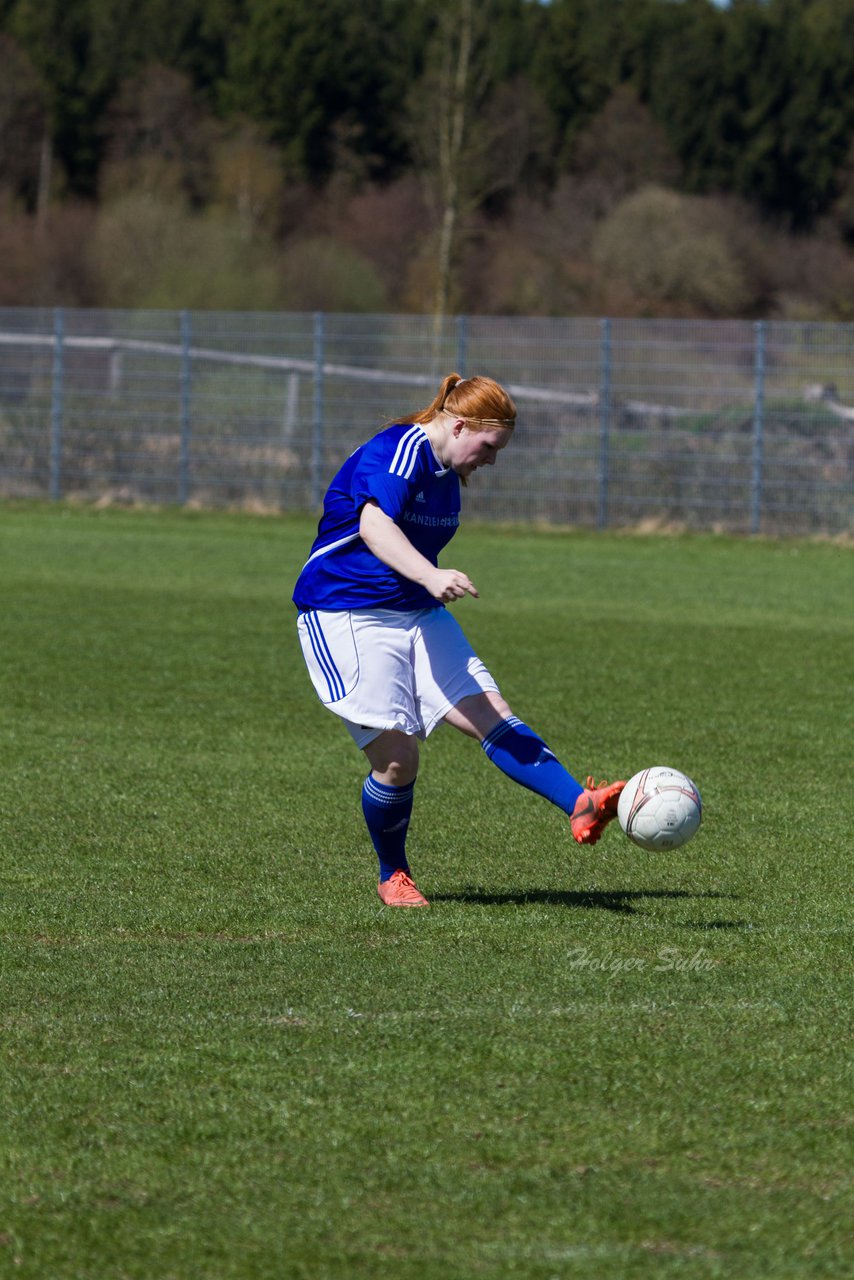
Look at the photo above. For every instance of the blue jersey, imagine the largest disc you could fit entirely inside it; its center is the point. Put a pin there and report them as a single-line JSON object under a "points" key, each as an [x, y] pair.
{"points": [[399, 470]]}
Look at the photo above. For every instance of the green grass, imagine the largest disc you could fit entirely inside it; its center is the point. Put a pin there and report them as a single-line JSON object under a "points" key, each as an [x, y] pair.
{"points": [[223, 1058]]}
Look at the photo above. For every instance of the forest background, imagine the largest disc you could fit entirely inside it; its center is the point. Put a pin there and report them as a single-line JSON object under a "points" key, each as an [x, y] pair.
{"points": [[621, 157]]}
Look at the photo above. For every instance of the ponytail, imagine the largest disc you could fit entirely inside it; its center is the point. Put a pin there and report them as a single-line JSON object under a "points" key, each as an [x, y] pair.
{"points": [[437, 404], [480, 400]]}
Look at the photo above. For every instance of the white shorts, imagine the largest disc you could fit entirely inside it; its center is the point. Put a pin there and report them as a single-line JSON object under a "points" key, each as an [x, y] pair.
{"points": [[379, 669]]}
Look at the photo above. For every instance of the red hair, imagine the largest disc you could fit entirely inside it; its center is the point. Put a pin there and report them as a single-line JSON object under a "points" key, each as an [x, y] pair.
{"points": [[481, 401]]}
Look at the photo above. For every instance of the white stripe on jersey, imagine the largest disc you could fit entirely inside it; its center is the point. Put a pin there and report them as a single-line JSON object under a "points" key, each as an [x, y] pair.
{"points": [[330, 546], [403, 462]]}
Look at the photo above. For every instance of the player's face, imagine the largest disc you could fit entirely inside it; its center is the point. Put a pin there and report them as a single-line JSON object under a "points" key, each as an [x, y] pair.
{"points": [[470, 449]]}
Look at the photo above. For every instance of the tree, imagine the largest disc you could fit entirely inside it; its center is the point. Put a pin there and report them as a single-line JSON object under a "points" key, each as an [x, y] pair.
{"points": [[623, 148], [453, 104], [690, 95], [248, 180], [157, 138], [474, 132], [22, 123], [758, 101], [304, 70], [571, 86], [587, 49]]}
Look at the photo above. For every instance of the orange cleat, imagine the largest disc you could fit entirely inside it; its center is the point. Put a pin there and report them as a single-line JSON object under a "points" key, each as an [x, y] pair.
{"points": [[594, 809], [400, 891]]}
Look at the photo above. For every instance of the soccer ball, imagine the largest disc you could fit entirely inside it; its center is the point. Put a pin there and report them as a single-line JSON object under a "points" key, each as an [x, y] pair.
{"points": [[659, 808]]}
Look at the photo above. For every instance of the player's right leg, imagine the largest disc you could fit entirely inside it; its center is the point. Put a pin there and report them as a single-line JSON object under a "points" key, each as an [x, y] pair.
{"points": [[387, 797], [360, 664]]}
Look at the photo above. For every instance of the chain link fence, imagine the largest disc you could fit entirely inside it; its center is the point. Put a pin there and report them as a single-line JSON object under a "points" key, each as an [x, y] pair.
{"points": [[725, 425]]}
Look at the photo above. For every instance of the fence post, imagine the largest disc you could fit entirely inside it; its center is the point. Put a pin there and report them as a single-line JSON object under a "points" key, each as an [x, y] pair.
{"points": [[317, 421], [291, 407], [604, 422], [759, 329], [462, 345], [56, 406], [184, 457]]}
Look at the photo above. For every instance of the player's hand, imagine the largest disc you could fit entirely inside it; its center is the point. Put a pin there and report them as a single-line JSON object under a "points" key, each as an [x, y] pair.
{"points": [[450, 584]]}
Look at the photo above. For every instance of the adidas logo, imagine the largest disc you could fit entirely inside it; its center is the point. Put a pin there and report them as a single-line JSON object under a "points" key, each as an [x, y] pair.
{"points": [[419, 497]]}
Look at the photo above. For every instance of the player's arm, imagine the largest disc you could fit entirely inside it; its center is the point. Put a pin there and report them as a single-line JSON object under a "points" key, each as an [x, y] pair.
{"points": [[390, 544]]}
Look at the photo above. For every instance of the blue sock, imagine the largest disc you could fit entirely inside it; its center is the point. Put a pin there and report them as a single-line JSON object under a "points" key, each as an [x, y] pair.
{"points": [[524, 757], [387, 812]]}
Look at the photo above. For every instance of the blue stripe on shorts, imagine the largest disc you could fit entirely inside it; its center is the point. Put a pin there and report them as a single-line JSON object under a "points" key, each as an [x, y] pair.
{"points": [[320, 648]]}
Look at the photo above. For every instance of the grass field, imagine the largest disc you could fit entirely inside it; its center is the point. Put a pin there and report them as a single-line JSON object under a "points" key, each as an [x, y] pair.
{"points": [[223, 1058]]}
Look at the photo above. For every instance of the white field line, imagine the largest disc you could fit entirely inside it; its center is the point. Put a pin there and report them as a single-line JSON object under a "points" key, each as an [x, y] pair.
{"points": [[296, 1017]]}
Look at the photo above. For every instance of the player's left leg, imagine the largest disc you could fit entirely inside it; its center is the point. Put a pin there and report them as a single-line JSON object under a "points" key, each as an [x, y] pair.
{"points": [[515, 748], [522, 755], [454, 686]]}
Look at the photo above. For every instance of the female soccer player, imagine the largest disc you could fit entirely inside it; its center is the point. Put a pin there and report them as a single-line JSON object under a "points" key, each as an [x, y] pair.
{"points": [[385, 654]]}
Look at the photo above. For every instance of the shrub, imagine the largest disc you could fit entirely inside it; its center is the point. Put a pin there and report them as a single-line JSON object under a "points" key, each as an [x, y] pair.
{"points": [[666, 248], [151, 252], [319, 273]]}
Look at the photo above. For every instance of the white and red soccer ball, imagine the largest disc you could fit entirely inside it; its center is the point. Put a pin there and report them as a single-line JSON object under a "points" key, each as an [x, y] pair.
{"points": [[660, 808]]}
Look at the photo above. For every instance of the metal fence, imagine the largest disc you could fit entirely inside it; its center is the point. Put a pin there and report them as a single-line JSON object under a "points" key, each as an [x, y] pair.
{"points": [[727, 425]]}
